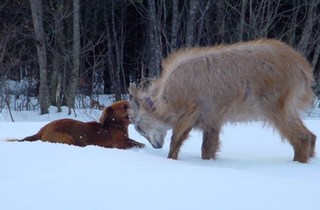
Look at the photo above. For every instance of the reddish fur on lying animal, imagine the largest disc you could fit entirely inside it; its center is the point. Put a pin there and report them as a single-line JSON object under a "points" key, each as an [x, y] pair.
{"points": [[206, 87], [110, 132]]}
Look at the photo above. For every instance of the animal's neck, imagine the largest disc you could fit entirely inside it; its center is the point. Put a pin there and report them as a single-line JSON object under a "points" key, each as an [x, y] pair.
{"points": [[152, 95], [116, 125], [157, 105]]}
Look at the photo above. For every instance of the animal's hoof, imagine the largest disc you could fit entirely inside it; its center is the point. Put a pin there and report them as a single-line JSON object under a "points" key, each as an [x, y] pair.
{"points": [[300, 158], [173, 156]]}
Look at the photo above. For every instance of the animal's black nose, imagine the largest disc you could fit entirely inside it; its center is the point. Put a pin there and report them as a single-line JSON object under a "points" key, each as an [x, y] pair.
{"points": [[157, 146]]}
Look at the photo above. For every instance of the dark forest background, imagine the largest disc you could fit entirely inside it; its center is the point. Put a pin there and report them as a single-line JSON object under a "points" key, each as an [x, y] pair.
{"points": [[63, 48]]}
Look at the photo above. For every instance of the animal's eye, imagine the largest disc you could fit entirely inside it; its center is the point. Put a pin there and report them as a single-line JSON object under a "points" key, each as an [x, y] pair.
{"points": [[124, 106], [138, 128]]}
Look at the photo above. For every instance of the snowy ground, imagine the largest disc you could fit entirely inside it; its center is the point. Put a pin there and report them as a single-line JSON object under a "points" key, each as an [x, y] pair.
{"points": [[254, 171]]}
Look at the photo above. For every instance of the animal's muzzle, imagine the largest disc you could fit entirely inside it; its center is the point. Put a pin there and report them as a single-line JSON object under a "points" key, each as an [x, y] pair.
{"points": [[157, 145]]}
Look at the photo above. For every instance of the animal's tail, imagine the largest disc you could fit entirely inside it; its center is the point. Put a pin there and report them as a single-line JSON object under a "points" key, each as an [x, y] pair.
{"points": [[12, 140], [34, 137]]}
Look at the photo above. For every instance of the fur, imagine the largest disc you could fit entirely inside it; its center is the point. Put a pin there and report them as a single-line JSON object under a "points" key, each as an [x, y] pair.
{"points": [[205, 87], [111, 131]]}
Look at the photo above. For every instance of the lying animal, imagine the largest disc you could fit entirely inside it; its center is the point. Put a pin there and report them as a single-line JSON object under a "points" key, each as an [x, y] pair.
{"points": [[110, 132], [207, 87]]}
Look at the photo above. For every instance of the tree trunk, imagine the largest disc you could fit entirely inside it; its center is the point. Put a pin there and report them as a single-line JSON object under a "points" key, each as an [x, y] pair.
{"points": [[116, 86], [190, 27], [72, 90], [37, 17], [154, 41], [220, 23], [174, 25], [242, 18], [314, 62], [58, 53], [204, 12], [307, 31]]}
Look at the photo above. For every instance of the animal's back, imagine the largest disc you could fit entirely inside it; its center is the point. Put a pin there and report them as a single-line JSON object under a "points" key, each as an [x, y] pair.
{"points": [[56, 126], [237, 78]]}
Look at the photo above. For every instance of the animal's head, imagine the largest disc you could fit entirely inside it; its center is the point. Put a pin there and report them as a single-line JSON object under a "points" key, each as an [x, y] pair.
{"points": [[141, 115], [115, 113]]}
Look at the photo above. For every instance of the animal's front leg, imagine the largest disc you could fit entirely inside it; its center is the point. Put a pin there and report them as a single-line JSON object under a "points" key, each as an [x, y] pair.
{"points": [[133, 143], [181, 130], [177, 139]]}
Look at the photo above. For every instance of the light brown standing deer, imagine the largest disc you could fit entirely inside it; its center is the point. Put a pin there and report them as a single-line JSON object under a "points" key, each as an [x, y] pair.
{"points": [[205, 87]]}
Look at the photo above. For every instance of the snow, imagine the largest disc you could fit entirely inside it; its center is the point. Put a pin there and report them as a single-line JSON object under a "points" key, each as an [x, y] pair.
{"points": [[254, 170]]}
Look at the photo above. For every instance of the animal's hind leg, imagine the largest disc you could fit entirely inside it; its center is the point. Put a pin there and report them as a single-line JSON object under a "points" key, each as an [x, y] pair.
{"points": [[306, 146], [58, 137], [302, 140], [210, 143]]}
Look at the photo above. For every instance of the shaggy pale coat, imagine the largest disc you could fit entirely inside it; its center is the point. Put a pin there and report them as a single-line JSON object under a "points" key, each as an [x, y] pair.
{"points": [[204, 88]]}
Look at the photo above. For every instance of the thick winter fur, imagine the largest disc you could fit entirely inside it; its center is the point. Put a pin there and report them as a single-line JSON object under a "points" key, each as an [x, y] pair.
{"points": [[110, 132], [204, 88]]}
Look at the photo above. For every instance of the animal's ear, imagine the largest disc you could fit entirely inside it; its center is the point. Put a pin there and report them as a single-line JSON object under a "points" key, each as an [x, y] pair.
{"points": [[120, 105], [106, 116], [124, 105], [133, 90]]}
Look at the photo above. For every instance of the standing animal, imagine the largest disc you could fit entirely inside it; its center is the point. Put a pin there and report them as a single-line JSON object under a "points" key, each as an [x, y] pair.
{"points": [[206, 87], [110, 132]]}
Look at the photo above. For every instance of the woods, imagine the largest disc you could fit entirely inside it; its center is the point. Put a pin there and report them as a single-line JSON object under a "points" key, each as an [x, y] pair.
{"points": [[61, 49]]}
